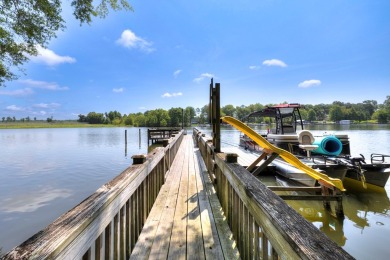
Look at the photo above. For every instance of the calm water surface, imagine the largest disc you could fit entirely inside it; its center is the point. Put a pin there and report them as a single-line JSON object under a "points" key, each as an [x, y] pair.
{"points": [[365, 231], [46, 172]]}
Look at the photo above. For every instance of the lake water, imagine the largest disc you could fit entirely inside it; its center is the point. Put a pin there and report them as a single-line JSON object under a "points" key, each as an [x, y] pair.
{"points": [[46, 172]]}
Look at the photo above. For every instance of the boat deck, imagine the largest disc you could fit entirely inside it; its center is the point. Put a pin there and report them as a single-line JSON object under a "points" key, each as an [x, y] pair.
{"points": [[186, 220]]}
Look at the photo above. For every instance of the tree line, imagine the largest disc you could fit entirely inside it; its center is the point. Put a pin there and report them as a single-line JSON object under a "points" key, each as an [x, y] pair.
{"points": [[368, 110], [174, 117]]}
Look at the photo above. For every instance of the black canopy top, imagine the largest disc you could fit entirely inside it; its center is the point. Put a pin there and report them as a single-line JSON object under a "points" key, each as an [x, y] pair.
{"points": [[273, 111]]}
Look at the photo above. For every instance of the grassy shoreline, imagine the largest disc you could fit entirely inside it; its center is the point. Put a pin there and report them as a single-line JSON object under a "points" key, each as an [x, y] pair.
{"points": [[43, 124]]}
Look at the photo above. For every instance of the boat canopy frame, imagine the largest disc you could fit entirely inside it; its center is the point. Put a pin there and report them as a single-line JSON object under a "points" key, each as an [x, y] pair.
{"points": [[281, 112]]}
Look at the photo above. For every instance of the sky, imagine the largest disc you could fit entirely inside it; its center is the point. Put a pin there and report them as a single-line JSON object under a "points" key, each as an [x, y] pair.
{"points": [[164, 53]]}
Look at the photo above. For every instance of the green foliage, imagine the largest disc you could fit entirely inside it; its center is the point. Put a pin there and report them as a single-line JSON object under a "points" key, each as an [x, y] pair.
{"points": [[189, 114], [176, 116], [95, 118], [311, 115], [228, 110], [382, 116], [27, 24]]}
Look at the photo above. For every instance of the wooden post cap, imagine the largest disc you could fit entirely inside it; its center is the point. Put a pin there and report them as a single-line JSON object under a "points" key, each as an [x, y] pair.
{"points": [[165, 142], [138, 158], [231, 158]]}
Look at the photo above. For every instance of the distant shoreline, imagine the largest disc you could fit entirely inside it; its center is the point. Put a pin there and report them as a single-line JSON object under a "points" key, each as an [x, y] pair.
{"points": [[55, 124]]}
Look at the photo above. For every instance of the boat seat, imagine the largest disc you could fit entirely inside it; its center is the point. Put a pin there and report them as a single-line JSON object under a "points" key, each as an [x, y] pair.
{"points": [[306, 140]]}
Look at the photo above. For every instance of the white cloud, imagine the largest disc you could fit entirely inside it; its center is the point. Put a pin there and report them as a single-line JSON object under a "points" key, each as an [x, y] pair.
{"points": [[176, 73], [117, 90], [17, 93], [168, 95], [14, 108], [50, 58], [142, 108], [274, 62], [309, 83], [203, 76], [254, 67], [43, 84], [129, 40], [44, 105]]}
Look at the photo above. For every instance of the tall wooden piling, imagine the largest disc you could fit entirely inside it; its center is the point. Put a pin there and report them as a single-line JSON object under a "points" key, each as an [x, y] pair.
{"points": [[215, 115]]}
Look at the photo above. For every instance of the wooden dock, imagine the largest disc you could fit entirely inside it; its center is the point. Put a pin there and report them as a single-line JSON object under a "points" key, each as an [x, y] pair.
{"points": [[182, 201], [186, 221]]}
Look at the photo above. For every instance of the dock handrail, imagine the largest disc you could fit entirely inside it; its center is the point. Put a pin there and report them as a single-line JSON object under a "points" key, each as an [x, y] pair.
{"points": [[261, 222], [106, 224]]}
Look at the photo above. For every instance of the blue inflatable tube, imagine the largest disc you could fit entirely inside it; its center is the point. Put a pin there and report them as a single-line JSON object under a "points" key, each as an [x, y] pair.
{"points": [[328, 145]]}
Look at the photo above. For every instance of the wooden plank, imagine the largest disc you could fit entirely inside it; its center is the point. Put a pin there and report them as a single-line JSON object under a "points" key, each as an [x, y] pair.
{"points": [[178, 243], [160, 245], [195, 249], [227, 242], [211, 243], [148, 235], [311, 197], [295, 188]]}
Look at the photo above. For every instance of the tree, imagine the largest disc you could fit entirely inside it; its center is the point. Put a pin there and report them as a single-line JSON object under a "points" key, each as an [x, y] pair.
{"points": [[228, 110], [175, 115], [82, 118], [386, 104], [27, 24], [95, 118], [189, 114], [112, 115], [336, 113], [382, 116], [311, 115]]}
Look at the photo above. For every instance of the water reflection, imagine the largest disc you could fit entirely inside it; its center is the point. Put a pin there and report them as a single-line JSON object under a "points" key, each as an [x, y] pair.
{"points": [[32, 200], [359, 206]]}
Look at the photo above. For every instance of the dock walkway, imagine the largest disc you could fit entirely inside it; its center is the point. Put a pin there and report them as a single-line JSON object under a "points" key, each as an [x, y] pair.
{"points": [[186, 220]]}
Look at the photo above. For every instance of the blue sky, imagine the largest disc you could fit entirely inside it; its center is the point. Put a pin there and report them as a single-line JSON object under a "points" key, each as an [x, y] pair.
{"points": [[164, 53]]}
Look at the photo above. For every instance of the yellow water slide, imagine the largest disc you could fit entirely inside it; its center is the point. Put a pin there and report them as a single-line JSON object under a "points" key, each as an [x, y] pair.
{"points": [[287, 156]]}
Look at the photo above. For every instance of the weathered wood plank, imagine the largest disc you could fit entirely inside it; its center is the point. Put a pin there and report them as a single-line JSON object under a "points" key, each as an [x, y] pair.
{"points": [[160, 245], [147, 238], [212, 245], [195, 249], [225, 236], [178, 243]]}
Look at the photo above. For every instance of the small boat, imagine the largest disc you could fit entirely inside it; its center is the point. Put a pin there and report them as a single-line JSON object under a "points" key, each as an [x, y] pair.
{"points": [[327, 153]]}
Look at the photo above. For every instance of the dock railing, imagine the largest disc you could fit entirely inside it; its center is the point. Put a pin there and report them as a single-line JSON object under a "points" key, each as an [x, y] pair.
{"points": [[107, 224], [263, 225]]}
